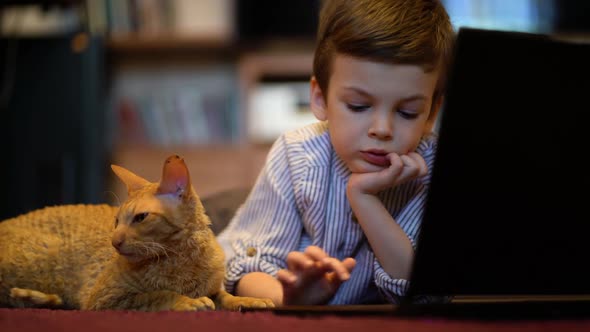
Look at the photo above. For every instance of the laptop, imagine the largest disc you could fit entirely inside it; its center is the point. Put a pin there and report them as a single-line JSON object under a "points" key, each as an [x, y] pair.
{"points": [[507, 222], [507, 218]]}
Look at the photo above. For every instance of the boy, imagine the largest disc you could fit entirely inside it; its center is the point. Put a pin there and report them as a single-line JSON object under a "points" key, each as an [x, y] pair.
{"points": [[334, 215]]}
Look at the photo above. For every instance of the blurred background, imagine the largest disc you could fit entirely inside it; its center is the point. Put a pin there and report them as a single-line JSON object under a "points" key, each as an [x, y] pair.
{"points": [[88, 83]]}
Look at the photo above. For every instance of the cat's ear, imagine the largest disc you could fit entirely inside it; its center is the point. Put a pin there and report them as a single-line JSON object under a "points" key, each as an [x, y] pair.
{"points": [[132, 181], [175, 177]]}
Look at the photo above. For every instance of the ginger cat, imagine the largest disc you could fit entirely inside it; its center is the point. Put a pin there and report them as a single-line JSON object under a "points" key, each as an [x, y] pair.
{"points": [[155, 252]]}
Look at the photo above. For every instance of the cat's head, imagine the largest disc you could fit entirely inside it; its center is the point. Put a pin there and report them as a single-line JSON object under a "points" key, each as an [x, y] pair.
{"points": [[157, 219]]}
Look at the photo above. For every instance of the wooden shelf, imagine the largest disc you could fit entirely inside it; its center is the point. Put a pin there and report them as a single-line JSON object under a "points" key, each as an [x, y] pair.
{"points": [[6, 3], [142, 49], [166, 43]]}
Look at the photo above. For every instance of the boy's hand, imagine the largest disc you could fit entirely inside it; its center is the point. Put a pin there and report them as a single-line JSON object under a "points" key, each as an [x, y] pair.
{"points": [[313, 277], [402, 169]]}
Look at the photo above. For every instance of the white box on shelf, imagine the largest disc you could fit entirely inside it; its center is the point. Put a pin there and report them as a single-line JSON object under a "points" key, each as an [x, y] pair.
{"points": [[204, 18], [276, 108]]}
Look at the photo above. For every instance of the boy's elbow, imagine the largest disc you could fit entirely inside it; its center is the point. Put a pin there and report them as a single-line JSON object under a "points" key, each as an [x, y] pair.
{"points": [[260, 285]]}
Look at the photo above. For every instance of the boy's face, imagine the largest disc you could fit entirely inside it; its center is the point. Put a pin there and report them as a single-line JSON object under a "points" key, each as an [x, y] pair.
{"points": [[374, 109]]}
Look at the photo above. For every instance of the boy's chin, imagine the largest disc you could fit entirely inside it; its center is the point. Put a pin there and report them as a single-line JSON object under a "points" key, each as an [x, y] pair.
{"points": [[366, 167]]}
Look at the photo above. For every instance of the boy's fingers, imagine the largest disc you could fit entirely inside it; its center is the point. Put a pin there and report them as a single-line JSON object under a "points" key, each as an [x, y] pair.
{"points": [[411, 167], [349, 263], [395, 169], [396, 163], [420, 162], [297, 261], [316, 253], [414, 166], [286, 277], [336, 266]]}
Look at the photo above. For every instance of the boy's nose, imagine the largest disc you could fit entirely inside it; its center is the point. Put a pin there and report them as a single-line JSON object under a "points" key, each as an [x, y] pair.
{"points": [[381, 128]]}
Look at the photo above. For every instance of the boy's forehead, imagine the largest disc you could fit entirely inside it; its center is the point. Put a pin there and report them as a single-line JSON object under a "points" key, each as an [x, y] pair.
{"points": [[364, 74]]}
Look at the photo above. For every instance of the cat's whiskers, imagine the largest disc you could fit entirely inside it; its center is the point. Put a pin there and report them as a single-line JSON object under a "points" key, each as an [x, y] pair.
{"points": [[167, 249], [143, 250], [163, 250], [151, 250], [155, 249]]}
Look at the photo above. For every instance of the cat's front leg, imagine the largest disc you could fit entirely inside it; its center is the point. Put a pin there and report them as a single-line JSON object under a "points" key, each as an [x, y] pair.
{"points": [[227, 301], [33, 298], [115, 299]]}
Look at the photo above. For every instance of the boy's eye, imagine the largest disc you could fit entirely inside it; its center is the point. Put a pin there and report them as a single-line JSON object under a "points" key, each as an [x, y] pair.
{"points": [[139, 217], [408, 114], [357, 108]]}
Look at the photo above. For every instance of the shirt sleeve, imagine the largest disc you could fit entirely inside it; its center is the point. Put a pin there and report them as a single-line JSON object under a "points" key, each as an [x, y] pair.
{"points": [[267, 227], [409, 219]]}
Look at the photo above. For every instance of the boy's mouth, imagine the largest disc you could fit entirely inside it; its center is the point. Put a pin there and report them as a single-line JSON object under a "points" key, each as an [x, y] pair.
{"points": [[376, 157]]}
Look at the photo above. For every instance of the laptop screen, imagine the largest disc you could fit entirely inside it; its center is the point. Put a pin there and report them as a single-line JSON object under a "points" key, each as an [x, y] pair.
{"points": [[508, 208]]}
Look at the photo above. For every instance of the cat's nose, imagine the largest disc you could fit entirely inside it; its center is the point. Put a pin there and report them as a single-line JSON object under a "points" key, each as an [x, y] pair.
{"points": [[118, 242]]}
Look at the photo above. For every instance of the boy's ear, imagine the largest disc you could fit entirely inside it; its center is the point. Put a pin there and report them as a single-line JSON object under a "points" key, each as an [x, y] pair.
{"points": [[175, 177], [132, 181], [433, 116], [317, 100]]}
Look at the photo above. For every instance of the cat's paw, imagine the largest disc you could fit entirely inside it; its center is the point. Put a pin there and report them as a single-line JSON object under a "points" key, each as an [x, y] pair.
{"points": [[237, 303], [188, 304], [35, 297]]}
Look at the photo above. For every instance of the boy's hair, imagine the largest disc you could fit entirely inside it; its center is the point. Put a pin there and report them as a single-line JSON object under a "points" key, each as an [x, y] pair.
{"points": [[416, 32]]}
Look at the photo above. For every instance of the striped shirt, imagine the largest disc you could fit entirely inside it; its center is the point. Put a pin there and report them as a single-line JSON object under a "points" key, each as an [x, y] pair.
{"points": [[300, 199]]}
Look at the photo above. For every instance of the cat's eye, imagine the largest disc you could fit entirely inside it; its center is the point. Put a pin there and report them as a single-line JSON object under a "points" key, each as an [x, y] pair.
{"points": [[116, 222], [139, 217]]}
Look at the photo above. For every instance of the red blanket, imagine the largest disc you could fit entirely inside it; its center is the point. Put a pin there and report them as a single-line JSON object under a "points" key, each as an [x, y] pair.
{"points": [[35, 320]]}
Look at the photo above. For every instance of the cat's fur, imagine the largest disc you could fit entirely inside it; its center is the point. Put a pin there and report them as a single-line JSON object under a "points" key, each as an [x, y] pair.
{"points": [[155, 252]]}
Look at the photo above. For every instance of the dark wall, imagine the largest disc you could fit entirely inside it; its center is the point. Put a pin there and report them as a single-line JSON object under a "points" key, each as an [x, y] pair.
{"points": [[572, 16], [271, 19], [51, 123]]}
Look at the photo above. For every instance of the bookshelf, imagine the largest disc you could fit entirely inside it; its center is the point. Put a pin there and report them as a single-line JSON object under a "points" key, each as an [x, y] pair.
{"points": [[216, 165], [179, 76], [157, 78]]}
